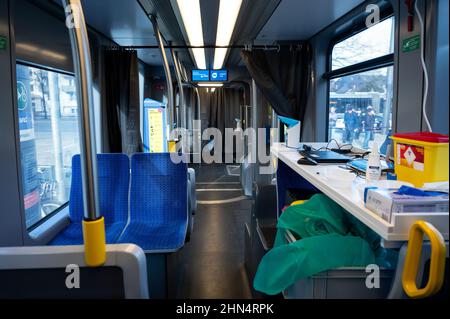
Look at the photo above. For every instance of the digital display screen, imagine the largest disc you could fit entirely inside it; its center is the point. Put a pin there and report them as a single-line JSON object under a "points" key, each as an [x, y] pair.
{"points": [[218, 75], [200, 75]]}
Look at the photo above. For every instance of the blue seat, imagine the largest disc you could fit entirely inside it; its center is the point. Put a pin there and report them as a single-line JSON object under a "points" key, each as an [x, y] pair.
{"points": [[113, 173], [158, 203]]}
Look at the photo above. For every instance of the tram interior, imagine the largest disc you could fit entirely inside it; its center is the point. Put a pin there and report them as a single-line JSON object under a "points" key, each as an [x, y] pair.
{"points": [[150, 148]]}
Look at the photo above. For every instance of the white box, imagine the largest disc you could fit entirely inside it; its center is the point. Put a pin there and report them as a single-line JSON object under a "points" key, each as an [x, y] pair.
{"points": [[384, 203]]}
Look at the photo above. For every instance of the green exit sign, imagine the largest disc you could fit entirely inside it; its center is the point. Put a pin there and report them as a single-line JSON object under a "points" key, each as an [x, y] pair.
{"points": [[3, 42], [411, 44]]}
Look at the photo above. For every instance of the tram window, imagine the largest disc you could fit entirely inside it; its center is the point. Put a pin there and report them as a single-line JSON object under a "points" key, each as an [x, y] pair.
{"points": [[371, 43], [360, 101], [48, 126]]}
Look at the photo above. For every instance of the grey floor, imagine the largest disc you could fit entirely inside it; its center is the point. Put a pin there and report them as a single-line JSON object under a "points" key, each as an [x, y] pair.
{"points": [[213, 259]]}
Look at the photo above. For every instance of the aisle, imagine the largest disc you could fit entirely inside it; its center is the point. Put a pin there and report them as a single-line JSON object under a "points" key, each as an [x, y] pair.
{"points": [[213, 259]]}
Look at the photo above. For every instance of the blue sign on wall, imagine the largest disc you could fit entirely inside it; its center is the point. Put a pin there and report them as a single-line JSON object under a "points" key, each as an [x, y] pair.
{"points": [[218, 76], [200, 75]]}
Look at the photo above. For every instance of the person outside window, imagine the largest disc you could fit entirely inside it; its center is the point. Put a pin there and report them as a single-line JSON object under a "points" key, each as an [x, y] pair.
{"points": [[332, 120], [359, 123], [350, 120], [369, 125]]}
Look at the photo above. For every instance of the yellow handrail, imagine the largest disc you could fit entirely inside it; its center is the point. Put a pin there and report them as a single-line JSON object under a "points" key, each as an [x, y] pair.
{"points": [[172, 146], [413, 255], [94, 242]]}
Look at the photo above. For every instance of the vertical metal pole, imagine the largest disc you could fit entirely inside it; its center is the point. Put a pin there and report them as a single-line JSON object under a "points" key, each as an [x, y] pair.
{"points": [[197, 115], [170, 99], [55, 116], [83, 70], [197, 130], [182, 107]]}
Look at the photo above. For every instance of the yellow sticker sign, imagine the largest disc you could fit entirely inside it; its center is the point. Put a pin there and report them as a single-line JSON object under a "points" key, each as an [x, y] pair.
{"points": [[156, 130]]}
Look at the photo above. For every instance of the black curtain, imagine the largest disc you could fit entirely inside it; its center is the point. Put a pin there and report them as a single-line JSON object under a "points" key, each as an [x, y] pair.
{"points": [[283, 77], [225, 106], [121, 132]]}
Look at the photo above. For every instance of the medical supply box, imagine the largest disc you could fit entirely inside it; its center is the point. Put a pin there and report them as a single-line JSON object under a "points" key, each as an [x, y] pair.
{"points": [[385, 203]]}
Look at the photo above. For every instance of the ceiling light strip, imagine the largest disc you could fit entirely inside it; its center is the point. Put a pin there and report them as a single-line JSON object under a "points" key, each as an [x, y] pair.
{"points": [[228, 14], [192, 20], [210, 84]]}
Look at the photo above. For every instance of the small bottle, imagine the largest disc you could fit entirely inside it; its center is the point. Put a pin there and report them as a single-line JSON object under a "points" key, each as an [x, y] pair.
{"points": [[373, 170]]}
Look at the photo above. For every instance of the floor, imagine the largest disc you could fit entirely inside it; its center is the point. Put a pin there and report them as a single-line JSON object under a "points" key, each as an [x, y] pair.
{"points": [[213, 258]]}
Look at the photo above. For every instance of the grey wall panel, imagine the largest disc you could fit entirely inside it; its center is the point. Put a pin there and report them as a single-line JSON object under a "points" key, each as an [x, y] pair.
{"points": [[33, 28], [10, 198], [437, 61], [410, 78], [321, 94]]}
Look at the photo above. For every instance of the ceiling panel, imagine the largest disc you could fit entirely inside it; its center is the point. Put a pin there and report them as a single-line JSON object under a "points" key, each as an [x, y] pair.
{"points": [[127, 24], [123, 21], [210, 12], [301, 19]]}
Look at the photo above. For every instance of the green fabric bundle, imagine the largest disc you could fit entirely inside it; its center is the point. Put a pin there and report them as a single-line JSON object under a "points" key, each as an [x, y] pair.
{"points": [[329, 238]]}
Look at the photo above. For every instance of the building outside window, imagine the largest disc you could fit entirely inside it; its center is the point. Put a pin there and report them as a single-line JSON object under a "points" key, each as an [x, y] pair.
{"points": [[48, 126]]}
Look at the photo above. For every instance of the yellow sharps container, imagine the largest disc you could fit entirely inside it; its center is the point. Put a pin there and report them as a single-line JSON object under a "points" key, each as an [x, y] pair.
{"points": [[421, 157]]}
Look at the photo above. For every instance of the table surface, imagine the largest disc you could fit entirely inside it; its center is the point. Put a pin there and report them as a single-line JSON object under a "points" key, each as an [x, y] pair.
{"points": [[348, 193]]}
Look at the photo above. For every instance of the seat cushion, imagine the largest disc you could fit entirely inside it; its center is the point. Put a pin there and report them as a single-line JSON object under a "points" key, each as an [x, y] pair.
{"points": [[73, 234], [158, 238]]}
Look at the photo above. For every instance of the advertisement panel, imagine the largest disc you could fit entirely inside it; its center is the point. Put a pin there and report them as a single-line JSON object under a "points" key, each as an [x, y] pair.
{"points": [[30, 177], [155, 140]]}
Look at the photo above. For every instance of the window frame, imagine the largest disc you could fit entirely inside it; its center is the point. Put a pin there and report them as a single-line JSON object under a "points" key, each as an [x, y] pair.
{"points": [[387, 60], [66, 204]]}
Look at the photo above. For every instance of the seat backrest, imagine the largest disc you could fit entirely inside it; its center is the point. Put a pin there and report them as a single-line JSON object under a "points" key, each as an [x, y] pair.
{"points": [[158, 189], [40, 272], [113, 173]]}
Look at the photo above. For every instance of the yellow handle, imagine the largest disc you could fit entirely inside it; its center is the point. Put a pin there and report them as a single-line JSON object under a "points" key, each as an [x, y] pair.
{"points": [[413, 255], [94, 242], [172, 145], [298, 202]]}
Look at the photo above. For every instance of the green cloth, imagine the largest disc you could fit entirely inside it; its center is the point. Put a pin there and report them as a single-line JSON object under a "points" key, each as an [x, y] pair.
{"points": [[329, 238]]}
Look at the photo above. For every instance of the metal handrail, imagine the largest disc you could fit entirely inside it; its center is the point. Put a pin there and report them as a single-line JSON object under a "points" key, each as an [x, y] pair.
{"points": [[83, 71], [93, 222], [181, 91], [170, 99]]}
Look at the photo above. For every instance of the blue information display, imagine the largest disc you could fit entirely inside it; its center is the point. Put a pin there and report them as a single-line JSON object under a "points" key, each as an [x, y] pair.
{"points": [[200, 75], [218, 75]]}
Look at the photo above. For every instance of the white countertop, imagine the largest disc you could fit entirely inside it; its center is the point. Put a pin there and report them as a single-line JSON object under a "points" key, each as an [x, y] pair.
{"points": [[348, 194]]}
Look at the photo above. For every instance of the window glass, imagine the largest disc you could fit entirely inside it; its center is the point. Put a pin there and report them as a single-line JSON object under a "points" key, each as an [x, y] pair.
{"points": [[371, 43], [48, 125], [361, 108]]}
